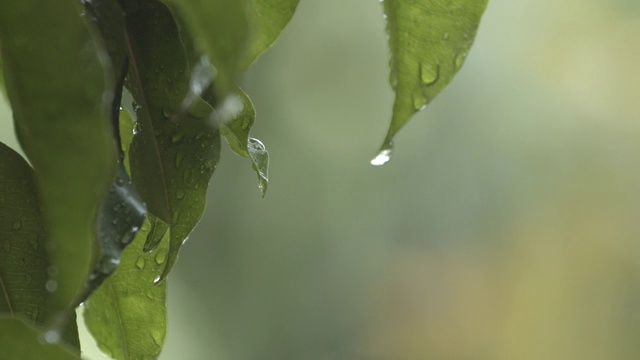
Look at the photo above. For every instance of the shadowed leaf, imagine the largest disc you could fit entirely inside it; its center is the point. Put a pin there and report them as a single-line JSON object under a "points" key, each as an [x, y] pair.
{"points": [[24, 259], [126, 314], [60, 108], [429, 40], [21, 341], [175, 147]]}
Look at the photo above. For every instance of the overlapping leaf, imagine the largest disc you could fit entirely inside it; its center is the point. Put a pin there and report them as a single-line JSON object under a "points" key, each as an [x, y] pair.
{"points": [[223, 29], [126, 314], [21, 341], [24, 259], [429, 40], [175, 149], [60, 107]]}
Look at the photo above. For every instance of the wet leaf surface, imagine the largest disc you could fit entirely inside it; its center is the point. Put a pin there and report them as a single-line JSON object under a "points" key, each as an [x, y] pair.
{"points": [[175, 145], [127, 314], [429, 40]]}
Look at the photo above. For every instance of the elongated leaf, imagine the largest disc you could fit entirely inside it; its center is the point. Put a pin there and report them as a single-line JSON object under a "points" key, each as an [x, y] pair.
{"points": [[429, 40], [20, 341], [236, 131], [24, 259], [222, 29], [126, 315], [267, 19], [175, 148], [56, 86]]}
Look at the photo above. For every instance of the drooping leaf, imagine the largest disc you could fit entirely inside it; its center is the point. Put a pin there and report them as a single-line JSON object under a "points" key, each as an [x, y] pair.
{"points": [[21, 341], [429, 40], [267, 19], [126, 315], [175, 147], [222, 31], [236, 132], [24, 259], [60, 105]]}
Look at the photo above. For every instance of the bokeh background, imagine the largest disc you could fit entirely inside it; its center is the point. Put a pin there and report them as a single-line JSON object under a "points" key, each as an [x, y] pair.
{"points": [[506, 225]]}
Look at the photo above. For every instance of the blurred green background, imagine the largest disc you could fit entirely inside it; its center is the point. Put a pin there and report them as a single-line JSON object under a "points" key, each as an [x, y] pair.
{"points": [[505, 227]]}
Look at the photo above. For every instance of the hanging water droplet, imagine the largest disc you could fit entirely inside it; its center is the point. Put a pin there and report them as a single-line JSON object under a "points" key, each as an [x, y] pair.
{"points": [[180, 194], [156, 281], [460, 59], [383, 156], [419, 100], [17, 225], [428, 74], [140, 263], [161, 256], [179, 158]]}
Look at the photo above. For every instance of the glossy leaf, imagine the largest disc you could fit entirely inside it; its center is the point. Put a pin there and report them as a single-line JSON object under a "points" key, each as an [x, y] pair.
{"points": [[175, 147], [127, 314], [429, 40], [24, 259], [158, 230], [236, 132], [221, 29], [267, 19], [21, 341], [60, 106]]}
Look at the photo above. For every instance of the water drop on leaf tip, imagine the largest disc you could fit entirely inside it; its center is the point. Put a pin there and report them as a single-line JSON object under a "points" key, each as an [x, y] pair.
{"points": [[382, 158]]}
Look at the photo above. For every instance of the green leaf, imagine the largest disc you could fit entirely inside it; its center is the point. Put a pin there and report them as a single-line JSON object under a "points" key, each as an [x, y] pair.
{"points": [[24, 259], [429, 40], [222, 32], [158, 230], [127, 314], [267, 18], [175, 147], [56, 87], [236, 132], [21, 341]]}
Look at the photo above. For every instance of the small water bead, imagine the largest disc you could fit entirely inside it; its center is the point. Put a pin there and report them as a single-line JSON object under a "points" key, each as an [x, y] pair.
{"points": [[429, 74], [140, 263], [161, 257], [382, 158]]}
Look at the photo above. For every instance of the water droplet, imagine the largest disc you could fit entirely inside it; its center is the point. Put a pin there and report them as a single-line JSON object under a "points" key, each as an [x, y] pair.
{"points": [[382, 158], [166, 112], [120, 181], [445, 36], [180, 194], [140, 263], [6, 245], [176, 138], [460, 59], [157, 336], [17, 225], [161, 256], [51, 336], [419, 100], [51, 285], [179, 158], [156, 281], [428, 74]]}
